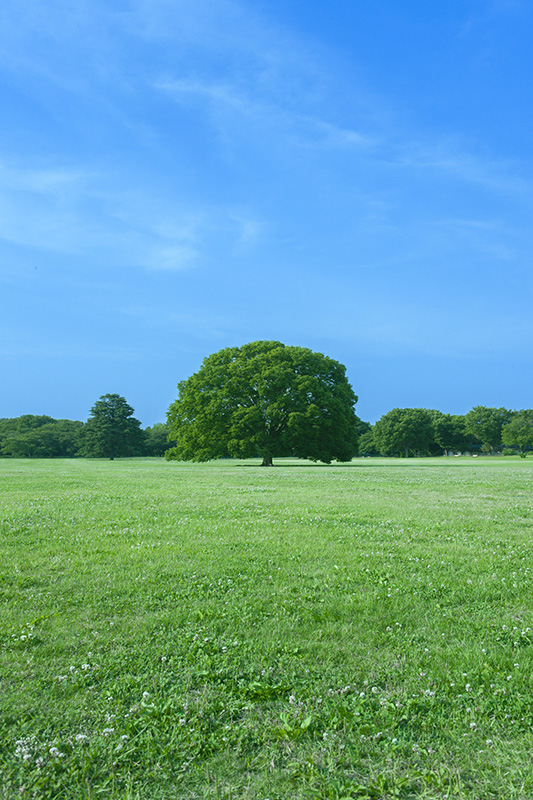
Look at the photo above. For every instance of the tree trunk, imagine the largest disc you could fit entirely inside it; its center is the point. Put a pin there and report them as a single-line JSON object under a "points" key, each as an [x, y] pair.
{"points": [[267, 461]]}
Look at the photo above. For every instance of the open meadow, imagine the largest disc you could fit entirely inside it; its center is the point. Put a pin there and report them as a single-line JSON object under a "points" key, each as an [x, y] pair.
{"points": [[175, 630]]}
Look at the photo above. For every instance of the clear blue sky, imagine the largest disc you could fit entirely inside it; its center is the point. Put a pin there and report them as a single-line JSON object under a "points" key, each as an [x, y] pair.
{"points": [[179, 176]]}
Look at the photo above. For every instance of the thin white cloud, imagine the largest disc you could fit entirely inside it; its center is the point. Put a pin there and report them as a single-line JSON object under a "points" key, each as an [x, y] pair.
{"points": [[211, 91], [456, 162], [83, 213], [307, 129]]}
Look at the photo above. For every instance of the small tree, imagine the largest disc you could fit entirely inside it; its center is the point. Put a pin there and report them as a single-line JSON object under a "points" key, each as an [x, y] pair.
{"points": [[366, 445], [265, 399], [112, 430], [486, 425], [403, 430], [519, 431], [157, 441], [450, 432]]}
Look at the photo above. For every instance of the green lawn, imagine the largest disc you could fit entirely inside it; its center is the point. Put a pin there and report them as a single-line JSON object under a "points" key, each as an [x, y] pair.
{"points": [[227, 631]]}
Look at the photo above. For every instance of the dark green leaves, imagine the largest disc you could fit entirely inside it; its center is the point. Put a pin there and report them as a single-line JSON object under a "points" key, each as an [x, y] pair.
{"points": [[265, 399]]}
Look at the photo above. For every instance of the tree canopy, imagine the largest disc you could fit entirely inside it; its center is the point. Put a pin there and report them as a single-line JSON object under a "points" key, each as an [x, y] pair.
{"points": [[486, 425], [156, 441], [403, 430], [265, 399], [40, 436], [450, 432], [519, 431], [112, 430]]}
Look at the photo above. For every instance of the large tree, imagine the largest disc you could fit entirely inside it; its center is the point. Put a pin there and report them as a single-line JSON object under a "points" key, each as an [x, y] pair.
{"points": [[404, 430], [265, 399], [112, 430]]}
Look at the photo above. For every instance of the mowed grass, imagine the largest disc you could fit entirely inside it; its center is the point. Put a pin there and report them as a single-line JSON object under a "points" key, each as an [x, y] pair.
{"points": [[227, 631]]}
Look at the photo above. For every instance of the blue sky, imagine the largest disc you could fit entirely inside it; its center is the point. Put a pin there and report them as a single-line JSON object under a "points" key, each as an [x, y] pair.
{"points": [[179, 176]]}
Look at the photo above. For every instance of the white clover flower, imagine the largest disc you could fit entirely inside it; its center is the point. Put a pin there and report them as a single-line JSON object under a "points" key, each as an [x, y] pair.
{"points": [[146, 696], [108, 731], [81, 737]]}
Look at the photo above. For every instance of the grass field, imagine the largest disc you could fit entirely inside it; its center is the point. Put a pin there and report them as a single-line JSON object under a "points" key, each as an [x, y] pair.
{"points": [[226, 631]]}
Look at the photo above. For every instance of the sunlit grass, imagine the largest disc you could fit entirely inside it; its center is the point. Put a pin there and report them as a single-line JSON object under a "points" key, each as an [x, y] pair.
{"points": [[223, 630]]}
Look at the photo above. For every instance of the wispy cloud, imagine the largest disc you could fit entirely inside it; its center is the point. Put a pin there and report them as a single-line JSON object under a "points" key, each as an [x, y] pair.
{"points": [[449, 158], [84, 213], [310, 130]]}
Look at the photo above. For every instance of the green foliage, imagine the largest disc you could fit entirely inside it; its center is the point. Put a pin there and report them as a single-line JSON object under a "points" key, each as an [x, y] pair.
{"points": [[40, 437], [156, 439], [519, 430], [112, 430], [265, 399], [486, 424], [404, 430], [366, 445], [450, 432]]}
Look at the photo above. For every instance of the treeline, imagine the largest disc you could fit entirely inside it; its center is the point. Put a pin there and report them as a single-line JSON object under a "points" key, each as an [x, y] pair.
{"points": [[32, 436], [112, 431], [421, 431]]}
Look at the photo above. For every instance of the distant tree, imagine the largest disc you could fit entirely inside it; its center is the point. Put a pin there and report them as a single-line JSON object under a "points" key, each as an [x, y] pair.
{"points": [[404, 430], [450, 432], [486, 425], [519, 431], [265, 399], [29, 422], [112, 431], [40, 437], [19, 445], [156, 439], [366, 445], [362, 427], [68, 436]]}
